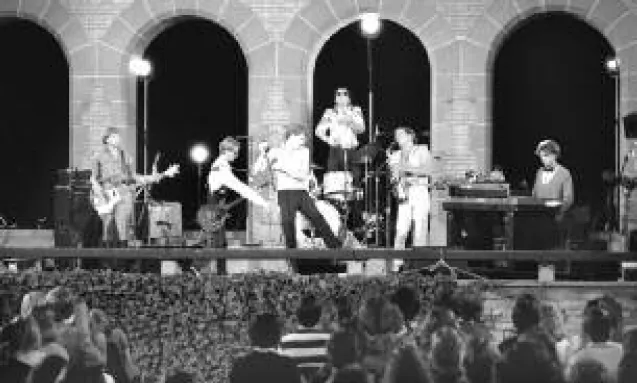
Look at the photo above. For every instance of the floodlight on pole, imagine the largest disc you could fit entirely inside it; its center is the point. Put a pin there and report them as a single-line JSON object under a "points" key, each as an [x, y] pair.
{"points": [[612, 65], [199, 154], [140, 67], [370, 24]]}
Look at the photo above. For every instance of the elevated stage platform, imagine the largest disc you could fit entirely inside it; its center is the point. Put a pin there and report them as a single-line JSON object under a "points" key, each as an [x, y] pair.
{"points": [[571, 265]]}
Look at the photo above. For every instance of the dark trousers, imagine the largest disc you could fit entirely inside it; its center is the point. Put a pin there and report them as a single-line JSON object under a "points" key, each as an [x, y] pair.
{"points": [[292, 201]]}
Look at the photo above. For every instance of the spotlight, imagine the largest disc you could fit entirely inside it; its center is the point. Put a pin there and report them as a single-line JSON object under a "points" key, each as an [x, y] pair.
{"points": [[199, 153], [370, 24], [612, 65], [139, 66]]}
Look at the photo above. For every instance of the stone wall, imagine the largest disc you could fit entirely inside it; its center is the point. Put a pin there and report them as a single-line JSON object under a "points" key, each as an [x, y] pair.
{"points": [[281, 40]]}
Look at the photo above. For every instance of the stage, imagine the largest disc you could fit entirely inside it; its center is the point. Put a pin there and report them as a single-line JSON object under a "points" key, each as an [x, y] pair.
{"points": [[572, 265]]}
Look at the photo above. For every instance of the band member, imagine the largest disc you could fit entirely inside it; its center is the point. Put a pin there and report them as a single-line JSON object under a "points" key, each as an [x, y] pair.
{"points": [[338, 128], [291, 167], [411, 170], [112, 169], [553, 181], [222, 178]]}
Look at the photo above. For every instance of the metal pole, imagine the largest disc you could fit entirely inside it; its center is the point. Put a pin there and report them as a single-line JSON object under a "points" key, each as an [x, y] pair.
{"points": [[198, 185], [146, 125], [370, 123]]}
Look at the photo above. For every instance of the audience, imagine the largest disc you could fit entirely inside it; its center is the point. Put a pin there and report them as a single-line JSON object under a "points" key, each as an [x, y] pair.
{"points": [[308, 344], [446, 355], [264, 363], [396, 335], [628, 366], [528, 360], [597, 327], [589, 371]]}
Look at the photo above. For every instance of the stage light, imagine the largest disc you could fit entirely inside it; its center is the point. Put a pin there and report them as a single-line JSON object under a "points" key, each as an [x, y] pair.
{"points": [[370, 24], [139, 66], [612, 65], [199, 153]]}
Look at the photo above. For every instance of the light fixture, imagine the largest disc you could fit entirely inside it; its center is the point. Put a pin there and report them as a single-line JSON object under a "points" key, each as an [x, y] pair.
{"points": [[370, 24], [139, 67], [199, 153], [612, 65]]}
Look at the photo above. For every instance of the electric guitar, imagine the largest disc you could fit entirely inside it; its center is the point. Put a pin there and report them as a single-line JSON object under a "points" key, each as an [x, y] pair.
{"points": [[105, 198], [213, 217]]}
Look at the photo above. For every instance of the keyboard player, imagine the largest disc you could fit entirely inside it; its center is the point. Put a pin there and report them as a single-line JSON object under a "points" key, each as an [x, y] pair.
{"points": [[553, 181]]}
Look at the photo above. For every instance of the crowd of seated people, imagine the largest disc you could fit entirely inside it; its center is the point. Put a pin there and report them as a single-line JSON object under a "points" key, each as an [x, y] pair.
{"points": [[385, 341], [373, 336], [57, 339]]}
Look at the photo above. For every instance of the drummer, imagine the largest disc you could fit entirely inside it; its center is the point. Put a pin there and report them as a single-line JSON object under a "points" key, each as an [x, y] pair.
{"points": [[338, 128]]}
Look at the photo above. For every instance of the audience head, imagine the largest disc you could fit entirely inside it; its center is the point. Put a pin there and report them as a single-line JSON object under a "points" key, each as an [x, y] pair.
{"points": [[526, 313], [343, 348], [407, 301], [99, 320], [630, 340], [589, 371], [31, 301], [552, 321], [614, 309], [479, 360], [351, 374], [379, 316], [446, 355], [407, 366], [309, 312], [529, 361], [344, 311], [62, 300], [265, 331], [597, 325], [469, 308]]}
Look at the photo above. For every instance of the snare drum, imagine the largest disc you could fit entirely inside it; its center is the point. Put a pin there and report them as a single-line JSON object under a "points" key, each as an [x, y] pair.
{"points": [[328, 212]]}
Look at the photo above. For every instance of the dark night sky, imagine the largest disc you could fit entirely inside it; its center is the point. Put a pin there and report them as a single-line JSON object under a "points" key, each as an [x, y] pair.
{"points": [[34, 119], [548, 82]]}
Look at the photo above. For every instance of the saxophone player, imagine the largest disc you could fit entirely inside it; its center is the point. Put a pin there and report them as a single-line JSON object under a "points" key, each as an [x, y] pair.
{"points": [[411, 167]]}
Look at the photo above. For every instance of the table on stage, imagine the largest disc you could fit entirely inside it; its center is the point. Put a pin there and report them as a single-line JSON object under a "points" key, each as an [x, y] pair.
{"points": [[507, 209]]}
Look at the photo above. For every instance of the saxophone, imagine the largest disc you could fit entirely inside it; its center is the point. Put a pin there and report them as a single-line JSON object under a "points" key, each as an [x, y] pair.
{"points": [[399, 189]]}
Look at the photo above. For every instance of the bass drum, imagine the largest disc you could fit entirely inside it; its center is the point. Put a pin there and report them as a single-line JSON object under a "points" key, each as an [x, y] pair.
{"points": [[303, 225]]}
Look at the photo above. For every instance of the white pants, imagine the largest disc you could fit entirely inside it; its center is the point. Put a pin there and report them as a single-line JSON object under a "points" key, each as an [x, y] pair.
{"points": [[415, 209]]}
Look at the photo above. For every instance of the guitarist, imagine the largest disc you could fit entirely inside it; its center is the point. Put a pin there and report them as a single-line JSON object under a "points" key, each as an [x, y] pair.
{"points": [[291, 167], [111, 168], [411, 165], [221, 178]]}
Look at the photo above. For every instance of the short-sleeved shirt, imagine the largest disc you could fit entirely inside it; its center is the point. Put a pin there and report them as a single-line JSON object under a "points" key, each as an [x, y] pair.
{"points": [[109, 168]]}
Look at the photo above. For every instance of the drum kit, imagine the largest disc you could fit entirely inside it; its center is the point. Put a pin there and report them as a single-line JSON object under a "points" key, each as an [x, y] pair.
{"points": [[350, 203]]}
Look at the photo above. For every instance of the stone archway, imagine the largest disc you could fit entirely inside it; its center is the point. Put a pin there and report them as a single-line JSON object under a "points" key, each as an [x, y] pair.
{"points": [[549, 81], [613, 19]]}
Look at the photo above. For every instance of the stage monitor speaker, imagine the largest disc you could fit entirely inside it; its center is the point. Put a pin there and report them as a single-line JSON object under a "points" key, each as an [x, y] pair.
{"points": [[630, 125], [164, 220]]}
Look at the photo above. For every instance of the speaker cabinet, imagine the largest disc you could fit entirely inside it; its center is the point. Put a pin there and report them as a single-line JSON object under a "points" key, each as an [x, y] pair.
{"points": [[164, 220]]}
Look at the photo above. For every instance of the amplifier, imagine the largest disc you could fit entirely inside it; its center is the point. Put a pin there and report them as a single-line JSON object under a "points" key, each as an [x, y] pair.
{"points": [[480, 190], [164, 220]]}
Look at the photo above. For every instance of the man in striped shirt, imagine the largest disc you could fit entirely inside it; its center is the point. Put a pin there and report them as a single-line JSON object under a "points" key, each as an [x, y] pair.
{"points": [[308, 345]]}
